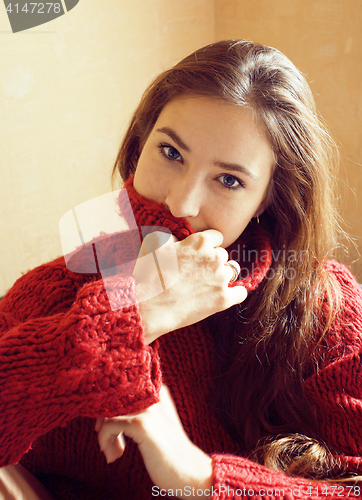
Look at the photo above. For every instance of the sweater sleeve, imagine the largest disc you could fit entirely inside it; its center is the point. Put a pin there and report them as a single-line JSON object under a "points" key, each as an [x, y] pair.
{"points": [[239, 478], [335, 392], [84, 360]]}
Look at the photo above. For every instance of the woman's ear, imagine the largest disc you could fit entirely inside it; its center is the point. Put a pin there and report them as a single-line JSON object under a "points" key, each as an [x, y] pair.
{"points": [[263, 206], [268, 198]]}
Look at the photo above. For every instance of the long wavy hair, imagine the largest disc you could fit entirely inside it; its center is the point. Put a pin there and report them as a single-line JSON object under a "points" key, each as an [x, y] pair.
{"points": [[270, 343]]}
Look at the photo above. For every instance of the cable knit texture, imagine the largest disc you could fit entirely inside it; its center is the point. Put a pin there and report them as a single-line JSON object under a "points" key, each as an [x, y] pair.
{"points": [[66, 358]]}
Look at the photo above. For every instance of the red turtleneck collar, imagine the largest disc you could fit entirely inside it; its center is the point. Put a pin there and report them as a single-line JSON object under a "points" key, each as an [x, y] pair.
{"points": [[254, 263]]}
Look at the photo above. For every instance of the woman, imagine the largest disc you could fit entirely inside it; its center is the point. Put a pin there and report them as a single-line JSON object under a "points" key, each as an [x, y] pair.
{"points": [[223, 395]]}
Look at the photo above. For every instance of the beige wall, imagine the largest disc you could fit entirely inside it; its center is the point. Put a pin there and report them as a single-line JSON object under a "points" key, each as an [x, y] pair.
{"points": [[68, 87], [324, 39], [67, 90]]}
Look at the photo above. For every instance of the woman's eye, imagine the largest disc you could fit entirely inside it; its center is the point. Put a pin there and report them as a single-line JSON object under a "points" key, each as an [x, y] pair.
{"points": [[230, 182], [170, 152]]}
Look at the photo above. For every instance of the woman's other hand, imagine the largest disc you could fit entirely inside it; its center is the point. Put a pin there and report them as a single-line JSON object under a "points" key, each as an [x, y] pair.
{"points": [[171, 459], [200, 290]]}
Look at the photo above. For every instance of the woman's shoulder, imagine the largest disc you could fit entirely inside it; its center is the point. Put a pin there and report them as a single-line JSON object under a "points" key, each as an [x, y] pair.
{"points": [[341, 271], [344, 335], [351, 290]]}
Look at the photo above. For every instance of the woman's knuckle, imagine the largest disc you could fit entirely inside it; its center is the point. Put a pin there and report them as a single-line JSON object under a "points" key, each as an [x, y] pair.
{"points": [[220, 299], [199, 240]]}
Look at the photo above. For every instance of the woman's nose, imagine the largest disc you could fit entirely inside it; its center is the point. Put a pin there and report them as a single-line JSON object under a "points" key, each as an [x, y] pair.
{"points": [[184, 199]]}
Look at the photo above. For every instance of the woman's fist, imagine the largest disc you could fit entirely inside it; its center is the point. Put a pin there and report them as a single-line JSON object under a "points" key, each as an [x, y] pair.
{"points": [[172, 297]]}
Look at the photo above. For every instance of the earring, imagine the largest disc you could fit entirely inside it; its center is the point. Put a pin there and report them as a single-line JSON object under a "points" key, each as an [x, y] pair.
{"points": [[257, 219]]}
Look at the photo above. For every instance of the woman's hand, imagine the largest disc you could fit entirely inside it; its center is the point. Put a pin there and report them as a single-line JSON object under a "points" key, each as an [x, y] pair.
{"points": [[171, 459], [200, 290]]}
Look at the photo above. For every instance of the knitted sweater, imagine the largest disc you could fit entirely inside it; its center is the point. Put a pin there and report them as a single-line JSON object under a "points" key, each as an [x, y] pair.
{"points": [[66, 357]]}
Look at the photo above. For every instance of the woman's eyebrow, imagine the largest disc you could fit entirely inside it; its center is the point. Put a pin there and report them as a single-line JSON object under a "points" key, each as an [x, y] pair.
{"points": [[232, 167], [171, 133]]}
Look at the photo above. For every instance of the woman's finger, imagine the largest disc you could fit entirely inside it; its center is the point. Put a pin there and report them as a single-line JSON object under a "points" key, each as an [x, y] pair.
{"points": [[116, 449], [99, 422], [211, 236], [155, 240], [110, 438], [238, 294], [221, 255], [216, 238]]}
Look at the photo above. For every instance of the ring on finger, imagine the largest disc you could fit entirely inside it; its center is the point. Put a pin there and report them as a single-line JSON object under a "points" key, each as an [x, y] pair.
{"points": [[235, 268]]}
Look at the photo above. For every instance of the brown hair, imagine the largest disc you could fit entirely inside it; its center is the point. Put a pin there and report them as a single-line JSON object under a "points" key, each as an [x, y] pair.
{"points": [[266, 347]]}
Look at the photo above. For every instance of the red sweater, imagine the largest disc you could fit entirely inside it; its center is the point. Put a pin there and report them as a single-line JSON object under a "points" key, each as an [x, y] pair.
{"points": [[66, 358]]}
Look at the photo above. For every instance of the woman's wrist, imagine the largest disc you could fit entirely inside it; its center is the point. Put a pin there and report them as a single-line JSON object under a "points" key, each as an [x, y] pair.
{"points": [[150, 316], [204, 481], [199, 483]]}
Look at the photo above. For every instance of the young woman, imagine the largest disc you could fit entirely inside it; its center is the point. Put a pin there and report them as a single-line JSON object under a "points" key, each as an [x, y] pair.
{"points": [[215, 388]]}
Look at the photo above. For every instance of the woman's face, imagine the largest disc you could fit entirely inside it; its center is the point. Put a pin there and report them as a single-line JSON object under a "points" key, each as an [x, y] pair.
{"points": [[209, 162]]}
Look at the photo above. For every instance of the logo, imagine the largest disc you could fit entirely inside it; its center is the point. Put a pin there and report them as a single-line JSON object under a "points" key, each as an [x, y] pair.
{"points": [[24, 15], [102, 236]]}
